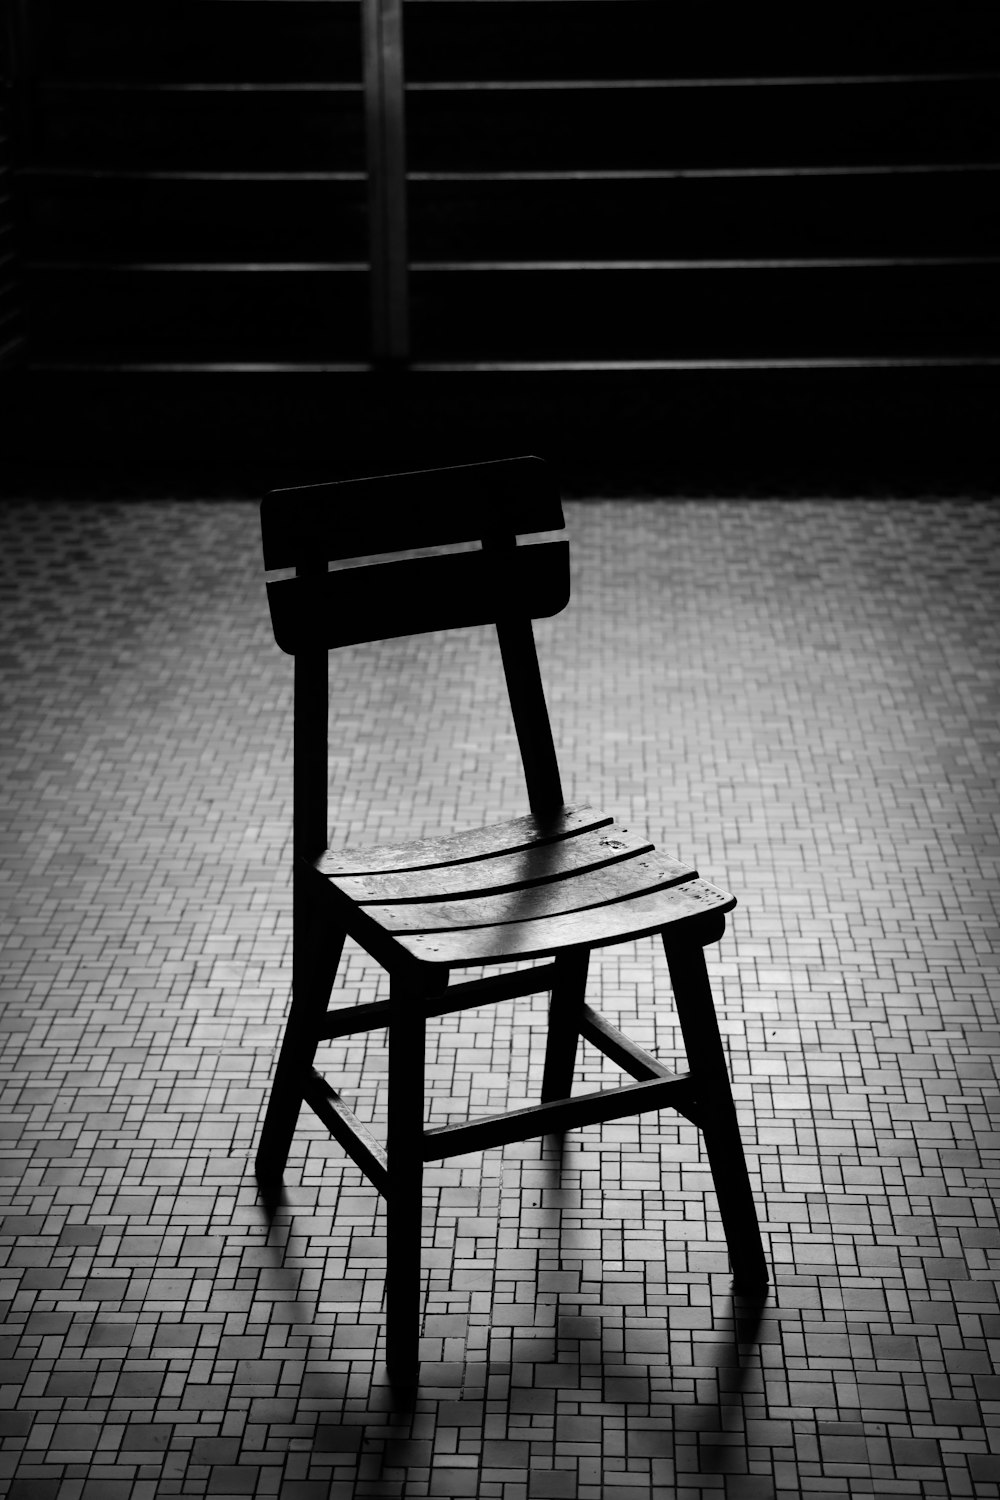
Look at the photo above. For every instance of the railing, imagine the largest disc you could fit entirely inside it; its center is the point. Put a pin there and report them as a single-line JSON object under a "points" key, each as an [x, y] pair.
{"points": [[385, 129]]}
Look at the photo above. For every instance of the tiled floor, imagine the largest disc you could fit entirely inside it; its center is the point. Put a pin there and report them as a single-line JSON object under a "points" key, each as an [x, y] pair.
{"points": [[801, 696]]}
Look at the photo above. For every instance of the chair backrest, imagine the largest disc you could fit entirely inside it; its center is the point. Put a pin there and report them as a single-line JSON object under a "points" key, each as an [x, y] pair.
{"points": [[367, 521]]}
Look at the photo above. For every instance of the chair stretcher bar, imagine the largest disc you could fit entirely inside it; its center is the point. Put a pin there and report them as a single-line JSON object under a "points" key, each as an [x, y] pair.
{"points": [[345, 1127], [556, 1117], [458, 997]]}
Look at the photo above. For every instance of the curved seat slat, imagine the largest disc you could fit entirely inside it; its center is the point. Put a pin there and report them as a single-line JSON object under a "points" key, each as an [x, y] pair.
{"points": [[634, 876], [559, 860], [508, 837], [618, 922]]}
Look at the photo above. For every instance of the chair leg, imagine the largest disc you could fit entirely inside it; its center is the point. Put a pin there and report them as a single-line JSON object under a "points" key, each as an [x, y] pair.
{"points": [[719, 1125], [565, 1007], [404, 1198], [316, 955]]}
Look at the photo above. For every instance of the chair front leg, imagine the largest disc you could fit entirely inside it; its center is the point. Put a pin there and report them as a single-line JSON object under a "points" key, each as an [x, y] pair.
{"points": [[717, 1115], [316, 952], [404, 1197], [566, 1004]]}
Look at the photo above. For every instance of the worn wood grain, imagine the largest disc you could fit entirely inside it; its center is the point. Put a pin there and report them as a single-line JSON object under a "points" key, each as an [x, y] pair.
{"points": [[575, 892], [691, 903], [537, 865], [509, 837]]}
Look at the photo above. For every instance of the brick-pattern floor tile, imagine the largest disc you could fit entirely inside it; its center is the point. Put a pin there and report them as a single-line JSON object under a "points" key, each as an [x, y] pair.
{"points": [[801, 697]]}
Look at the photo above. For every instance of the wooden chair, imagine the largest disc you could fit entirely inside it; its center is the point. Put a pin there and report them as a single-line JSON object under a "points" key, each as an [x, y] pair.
{"points": [[549, 886]]}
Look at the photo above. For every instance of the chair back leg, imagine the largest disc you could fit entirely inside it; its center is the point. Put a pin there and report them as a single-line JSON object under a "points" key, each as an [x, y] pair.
{"points": [[717, 1115], [316, 951]]}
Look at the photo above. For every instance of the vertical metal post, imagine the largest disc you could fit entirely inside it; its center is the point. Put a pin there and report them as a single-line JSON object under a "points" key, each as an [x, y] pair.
{"points": [[385, 131]]}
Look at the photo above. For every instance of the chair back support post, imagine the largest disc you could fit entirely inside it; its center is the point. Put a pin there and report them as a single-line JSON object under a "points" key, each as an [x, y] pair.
{"points": [[530, 712], [309, 754], [310, 736], [531, 715]]}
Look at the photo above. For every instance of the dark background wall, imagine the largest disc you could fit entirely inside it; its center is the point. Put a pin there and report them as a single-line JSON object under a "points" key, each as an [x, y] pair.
{"points": [[678, 248]]}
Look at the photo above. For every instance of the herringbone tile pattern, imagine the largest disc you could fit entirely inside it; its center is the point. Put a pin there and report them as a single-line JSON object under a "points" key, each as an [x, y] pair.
{"points": [[802, 697]]}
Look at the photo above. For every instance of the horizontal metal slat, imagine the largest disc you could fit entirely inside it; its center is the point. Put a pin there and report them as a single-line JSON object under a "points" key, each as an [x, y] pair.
{"points": [[322, 218], [497, 38], [731, 123]]}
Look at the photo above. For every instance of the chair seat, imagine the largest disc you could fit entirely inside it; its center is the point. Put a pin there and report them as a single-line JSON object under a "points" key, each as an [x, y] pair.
{"points": [[520, 889]]}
